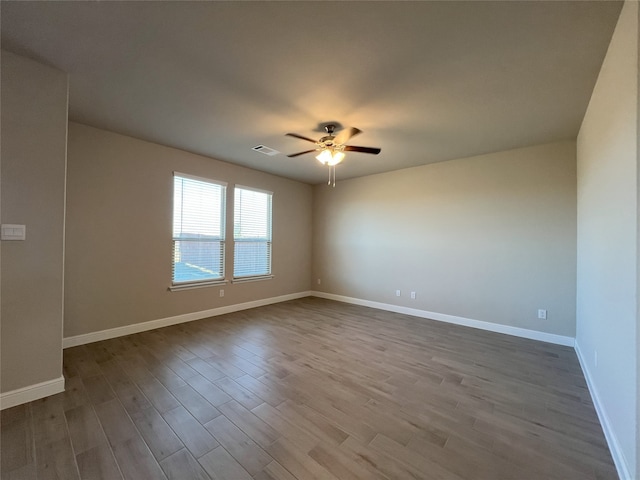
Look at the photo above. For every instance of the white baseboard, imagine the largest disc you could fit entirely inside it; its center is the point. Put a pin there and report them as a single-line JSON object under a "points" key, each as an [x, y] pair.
{"points": [[165, 322], [614, 446], [467, 322], [31, 393], [188, 317]]}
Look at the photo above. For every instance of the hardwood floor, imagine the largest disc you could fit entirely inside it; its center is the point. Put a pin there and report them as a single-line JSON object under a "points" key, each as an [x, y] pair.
{"points": [[311, 389]]}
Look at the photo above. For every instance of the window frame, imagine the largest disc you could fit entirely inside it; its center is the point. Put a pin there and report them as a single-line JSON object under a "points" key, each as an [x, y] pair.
{"points": [[269, 241], [221, 280]]}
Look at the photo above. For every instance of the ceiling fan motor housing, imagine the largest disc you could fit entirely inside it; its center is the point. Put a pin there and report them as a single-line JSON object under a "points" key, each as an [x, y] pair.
{"points": [[327, 141]]}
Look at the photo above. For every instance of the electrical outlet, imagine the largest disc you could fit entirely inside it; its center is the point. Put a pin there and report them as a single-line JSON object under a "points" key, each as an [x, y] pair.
{"points": [[222, 292], [319, 282], [413, 295], [397, 293], [542, 314]]}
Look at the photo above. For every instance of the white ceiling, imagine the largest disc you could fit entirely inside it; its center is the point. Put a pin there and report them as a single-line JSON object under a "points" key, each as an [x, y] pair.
{"points": [[425, 81]]}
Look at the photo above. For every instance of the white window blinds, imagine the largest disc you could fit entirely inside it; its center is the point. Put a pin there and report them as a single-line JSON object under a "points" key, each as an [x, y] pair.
{"points": [[198, 230], [252, 233]]}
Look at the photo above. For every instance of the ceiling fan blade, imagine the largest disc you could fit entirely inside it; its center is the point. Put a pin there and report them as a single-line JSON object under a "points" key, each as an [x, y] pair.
{"points": [[345, 134], [300, 153], [301, 137], [349, 148]]}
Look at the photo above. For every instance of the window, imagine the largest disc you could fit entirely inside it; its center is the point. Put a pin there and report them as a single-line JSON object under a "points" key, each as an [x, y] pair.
{"points": [[252, 233], [198, 231]]}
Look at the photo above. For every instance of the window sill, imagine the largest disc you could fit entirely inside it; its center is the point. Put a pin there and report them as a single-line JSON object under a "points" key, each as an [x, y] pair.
{"points": [[252, 279], [189, 286]]}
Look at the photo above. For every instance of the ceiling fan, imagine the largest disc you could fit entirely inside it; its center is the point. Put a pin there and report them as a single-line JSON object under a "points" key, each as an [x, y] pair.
{"points": [[332, 148]]}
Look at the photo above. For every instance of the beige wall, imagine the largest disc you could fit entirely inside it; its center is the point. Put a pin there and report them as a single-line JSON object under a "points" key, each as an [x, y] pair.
{"points": [[607, 288], [489, 238], [33, 152], [119, 214]]}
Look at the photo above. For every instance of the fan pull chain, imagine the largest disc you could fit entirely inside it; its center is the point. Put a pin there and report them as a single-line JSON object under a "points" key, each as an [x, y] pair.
{"points": [[332, 176]]}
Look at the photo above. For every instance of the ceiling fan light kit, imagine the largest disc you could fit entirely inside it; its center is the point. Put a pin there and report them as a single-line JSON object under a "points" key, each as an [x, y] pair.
{"points": [[330, 157], [332, 148]]}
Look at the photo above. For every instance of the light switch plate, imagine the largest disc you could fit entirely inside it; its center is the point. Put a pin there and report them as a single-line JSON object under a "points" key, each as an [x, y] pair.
{"points": [[13, 232]]}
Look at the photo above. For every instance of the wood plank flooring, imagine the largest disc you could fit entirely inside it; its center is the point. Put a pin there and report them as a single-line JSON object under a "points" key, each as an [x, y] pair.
{"points": [[311, 389]]}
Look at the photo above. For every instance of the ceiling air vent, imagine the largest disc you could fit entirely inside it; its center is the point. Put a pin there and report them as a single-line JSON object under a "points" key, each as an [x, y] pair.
{"points": [[266, 150]]}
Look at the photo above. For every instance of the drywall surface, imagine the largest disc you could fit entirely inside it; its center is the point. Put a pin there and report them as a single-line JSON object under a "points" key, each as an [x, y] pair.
{"points": [[119, 232], [488, 238], [34, 125], [607, 303]]}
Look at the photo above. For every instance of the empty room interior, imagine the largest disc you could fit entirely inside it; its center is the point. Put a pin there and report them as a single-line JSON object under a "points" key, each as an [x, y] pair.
{"points": [[319, 240]]}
